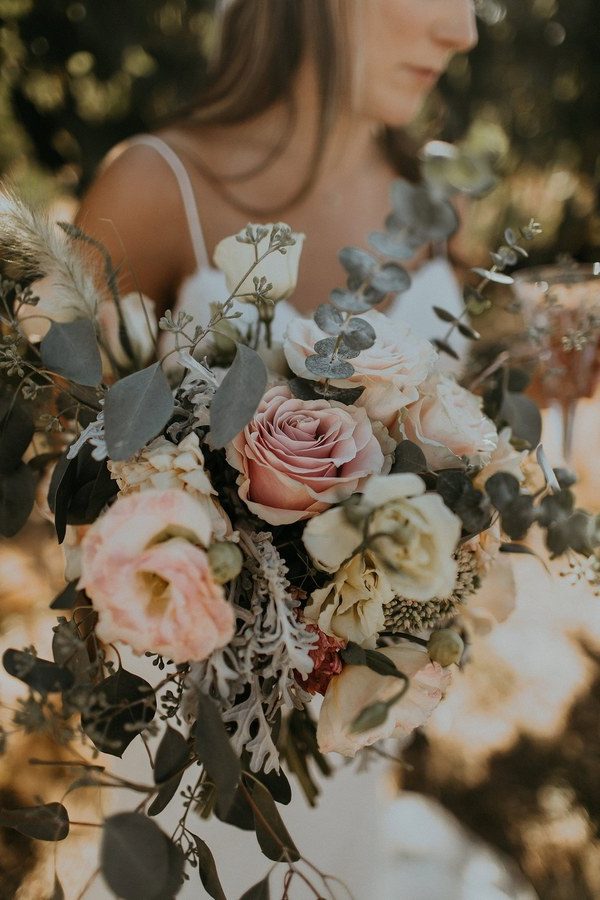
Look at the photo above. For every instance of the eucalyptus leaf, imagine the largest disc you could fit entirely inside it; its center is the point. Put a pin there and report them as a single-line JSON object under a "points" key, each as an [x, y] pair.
{"points": [[17, 496], [391, 278], [409, 458], [523, 416], [391, 245], [325, 368], [69, 597], [357, 263], [171, 756], [16, 432], [331, 346], [123, 705], [214, 750], [329, 319], [429, 217], [496, 277], [70, 349], [371, 717], [165, 794], [134, 857], [207, 869], [258, 891], [502, 488], [237, 397], [273, 837], [444, 314], [48, 822], [468, 332], [445, 348], [350, 301], [303, 389], [359, 335], [39, 674], [136, 409]]}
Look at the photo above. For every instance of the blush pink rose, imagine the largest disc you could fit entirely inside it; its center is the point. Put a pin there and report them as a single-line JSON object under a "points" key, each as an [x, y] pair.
{"points": [[448, 424], [145, 570], [390, 371], [298, 457]]}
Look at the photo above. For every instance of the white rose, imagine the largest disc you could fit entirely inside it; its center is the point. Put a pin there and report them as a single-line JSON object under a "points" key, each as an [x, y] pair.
{"points": [[234, 258], [358, 687], [140, 322], [447, 423], [504, 459], [390, 371], [418, 555], [163, 465], [351, 606]]}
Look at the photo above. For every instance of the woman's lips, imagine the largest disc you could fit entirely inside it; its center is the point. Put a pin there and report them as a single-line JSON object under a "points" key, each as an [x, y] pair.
{"points": [[423, 74]]}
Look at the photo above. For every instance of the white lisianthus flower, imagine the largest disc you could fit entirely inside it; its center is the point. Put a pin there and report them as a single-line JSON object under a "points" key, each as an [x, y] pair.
{"points": [[163, 465], [417, 536], [390, 371], [351, 607], [140, 322], [234, 259], [448, 424], [358, 687], [504, 459]]}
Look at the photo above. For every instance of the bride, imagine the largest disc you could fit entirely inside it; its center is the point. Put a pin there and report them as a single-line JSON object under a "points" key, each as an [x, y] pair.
{"points": [[301, 121]]}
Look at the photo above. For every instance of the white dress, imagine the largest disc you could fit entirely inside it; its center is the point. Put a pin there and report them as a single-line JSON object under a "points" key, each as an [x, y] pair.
{"points": [[347, 834]]}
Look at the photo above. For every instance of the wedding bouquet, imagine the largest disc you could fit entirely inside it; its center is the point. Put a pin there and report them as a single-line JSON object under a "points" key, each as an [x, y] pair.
{"points": [[264, 521]]}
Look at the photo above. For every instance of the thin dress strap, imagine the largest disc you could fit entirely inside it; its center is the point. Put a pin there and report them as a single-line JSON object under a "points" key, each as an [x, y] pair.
{"points": [[187, 193]]}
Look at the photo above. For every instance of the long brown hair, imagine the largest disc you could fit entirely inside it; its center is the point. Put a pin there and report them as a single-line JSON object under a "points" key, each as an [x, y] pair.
{"points": [[260, 46]]}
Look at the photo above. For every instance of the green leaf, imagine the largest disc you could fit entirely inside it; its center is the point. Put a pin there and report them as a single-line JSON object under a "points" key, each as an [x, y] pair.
{"points": [[502, 488], [444, 347], [16, 431], [350, 302], [323, 367], [258, 891], [273, 837], [134, 857], [357, 262], [165, 795], [238, 396], [216, 754], [497, 277], [523, 416], [136, 409], [391, 245], [39, 674], [68, 597], [391, 278], [444, 314], [329, 347], [359, 335], [329, 319], [378, 662], [207, 869], [70, 349], [123, 705], [17, 496], [409, 458], [172, 755], [371, 717], [49, 822]]}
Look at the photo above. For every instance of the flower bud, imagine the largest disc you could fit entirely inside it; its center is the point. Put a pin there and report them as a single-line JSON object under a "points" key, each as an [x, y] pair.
{"points": [[445, 647], [225, 561]]}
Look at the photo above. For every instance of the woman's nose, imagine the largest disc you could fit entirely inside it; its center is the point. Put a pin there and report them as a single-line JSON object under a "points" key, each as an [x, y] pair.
{"points": [[456, 27]]}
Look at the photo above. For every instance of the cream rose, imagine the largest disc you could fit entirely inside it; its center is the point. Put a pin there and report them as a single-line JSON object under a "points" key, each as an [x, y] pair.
{"points": [[234, 259], [163, 465], [145, 569], [390, 371], [447, 423], [297, 457], [358, 687], [140, 322], [417, 536], [351, 606]]}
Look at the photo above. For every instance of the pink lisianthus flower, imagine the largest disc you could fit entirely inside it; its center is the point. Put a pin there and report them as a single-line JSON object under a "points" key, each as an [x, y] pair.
{"points": [[145, 569], [298, 457]]}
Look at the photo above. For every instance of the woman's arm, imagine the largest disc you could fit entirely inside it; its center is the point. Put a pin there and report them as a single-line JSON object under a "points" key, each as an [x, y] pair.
{"points": [[135, 210]]}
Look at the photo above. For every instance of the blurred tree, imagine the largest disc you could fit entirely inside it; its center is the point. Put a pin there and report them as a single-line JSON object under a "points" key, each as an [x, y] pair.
{"points": [[78, 76]]}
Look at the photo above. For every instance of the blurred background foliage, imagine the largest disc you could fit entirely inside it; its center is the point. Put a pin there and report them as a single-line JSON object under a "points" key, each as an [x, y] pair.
{"points": [[77, 76]]}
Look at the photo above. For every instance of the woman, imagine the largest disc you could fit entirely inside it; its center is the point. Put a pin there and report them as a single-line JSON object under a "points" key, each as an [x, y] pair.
{"points": [[301, 122]]}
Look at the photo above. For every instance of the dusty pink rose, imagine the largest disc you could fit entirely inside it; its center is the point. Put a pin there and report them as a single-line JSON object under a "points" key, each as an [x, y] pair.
{"points": [[357, 688], [390, 371], [297, 457], [447, 423], [327, 662], [146, 572]]}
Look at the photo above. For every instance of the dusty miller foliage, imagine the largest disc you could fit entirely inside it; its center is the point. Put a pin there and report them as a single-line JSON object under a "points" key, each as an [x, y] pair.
{"points": [[254, 677]]}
